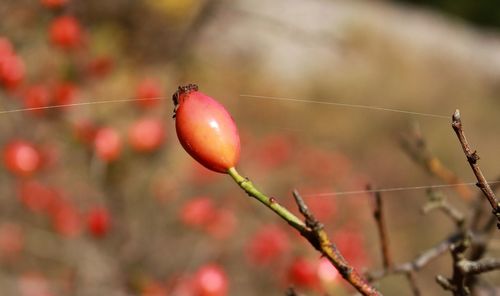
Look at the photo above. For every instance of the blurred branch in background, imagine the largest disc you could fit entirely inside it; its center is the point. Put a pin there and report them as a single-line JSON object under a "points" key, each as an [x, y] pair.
{"points": [[378, 214], [414, 144]]}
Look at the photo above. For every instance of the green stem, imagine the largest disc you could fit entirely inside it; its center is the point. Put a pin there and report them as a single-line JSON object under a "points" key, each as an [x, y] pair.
{"points": [[271, 203]]}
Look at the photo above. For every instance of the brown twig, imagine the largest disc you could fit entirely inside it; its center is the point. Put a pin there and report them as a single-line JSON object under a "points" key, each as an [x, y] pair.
{"points": [[481, 266], [459, 278], [472, 158], [311, 229], [479, 208], [416, 147], [412, 280], [319, 239], [378, 214], [291, 292], [419, 262], [483, 230]]}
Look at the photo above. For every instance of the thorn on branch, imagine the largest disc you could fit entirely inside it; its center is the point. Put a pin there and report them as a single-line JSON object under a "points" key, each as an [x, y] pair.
{"points": [[304, 210]]}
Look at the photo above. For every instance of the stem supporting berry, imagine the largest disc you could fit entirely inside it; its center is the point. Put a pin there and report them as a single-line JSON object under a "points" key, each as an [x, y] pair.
{"points": [[270, 202]]}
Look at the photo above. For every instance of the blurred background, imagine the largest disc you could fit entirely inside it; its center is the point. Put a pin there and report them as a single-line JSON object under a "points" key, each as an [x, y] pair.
{"points": [[99, 198]]}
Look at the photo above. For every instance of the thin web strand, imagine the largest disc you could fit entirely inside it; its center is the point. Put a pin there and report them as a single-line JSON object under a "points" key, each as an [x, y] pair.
{"points": [[377, 108], [79, 104], [368, 107], [392, 189]]}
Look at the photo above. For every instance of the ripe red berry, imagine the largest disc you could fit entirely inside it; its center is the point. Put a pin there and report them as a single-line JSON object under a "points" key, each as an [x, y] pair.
{"points": [[223, 224], [64, 93], [52, 4], [98, 221], [84, 130], [302, 273], [36, 98], [327, 272], [21, 158], [65, 32], [268, 245], [12, 67], [274, 151], [146, 135], [107, 144], [12, 71], [66, 220], [148, 93], [206, 130], [100, 66], [211, 280], [198, 212], [36, 196]]}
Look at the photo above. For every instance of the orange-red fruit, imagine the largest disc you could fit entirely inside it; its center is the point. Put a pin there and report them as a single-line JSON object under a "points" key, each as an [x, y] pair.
{"points": [[53, 3], [66, 220], [303, 273], [98, 221], [107, 144], [64, 93], [198, 211], [146, 135], [211, 280], [37, 196], [12, 67], [36, 99], [148, 93], [85, 130], [12, 70], [100, 66], [268, 245], [21, 158], [206, 130], [327, 272], [65, 32]]}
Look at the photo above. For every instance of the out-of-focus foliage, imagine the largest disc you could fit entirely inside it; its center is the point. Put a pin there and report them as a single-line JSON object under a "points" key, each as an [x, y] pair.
{"points": [[481, 12]]}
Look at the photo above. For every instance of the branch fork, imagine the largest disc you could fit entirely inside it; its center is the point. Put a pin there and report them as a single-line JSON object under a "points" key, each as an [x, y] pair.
{"points": [[311, 229]]}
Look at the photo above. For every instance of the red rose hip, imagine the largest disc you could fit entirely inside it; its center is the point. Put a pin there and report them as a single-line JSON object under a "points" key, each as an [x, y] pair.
{"points": [[21, 158], [107, 144], [146, 135], [65, 32], [98, 221], [205, 129]]}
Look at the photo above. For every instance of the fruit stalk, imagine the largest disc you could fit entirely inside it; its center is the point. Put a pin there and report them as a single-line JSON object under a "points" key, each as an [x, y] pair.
{"points": [[270, 202]]}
